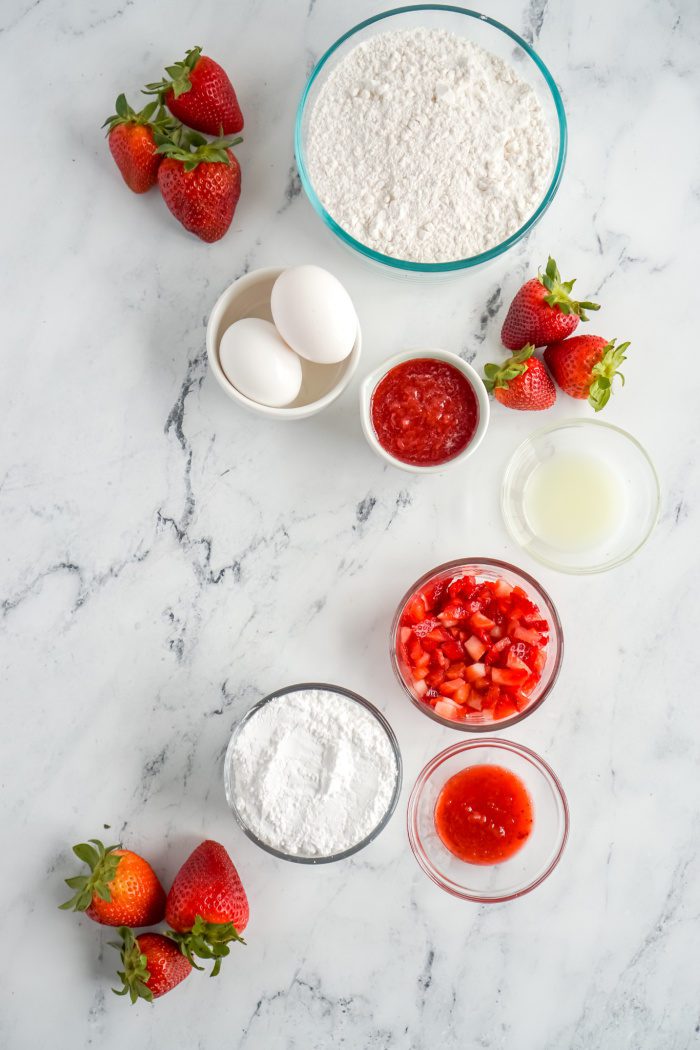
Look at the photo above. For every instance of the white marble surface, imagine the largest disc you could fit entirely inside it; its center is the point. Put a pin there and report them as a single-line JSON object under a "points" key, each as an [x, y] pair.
{"points": [[167, 559]]}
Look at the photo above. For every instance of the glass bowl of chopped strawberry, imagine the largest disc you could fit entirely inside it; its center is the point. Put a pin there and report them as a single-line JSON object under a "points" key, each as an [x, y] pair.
{"points": [[477, 644]]}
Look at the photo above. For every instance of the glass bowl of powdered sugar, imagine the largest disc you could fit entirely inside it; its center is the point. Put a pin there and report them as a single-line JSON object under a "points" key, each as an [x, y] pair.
{"points": [[430, 139], [313, 773]]}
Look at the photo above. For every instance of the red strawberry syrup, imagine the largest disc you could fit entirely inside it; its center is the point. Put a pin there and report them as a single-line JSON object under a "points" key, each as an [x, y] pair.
{"points": [[483, 814], [424, 412]]}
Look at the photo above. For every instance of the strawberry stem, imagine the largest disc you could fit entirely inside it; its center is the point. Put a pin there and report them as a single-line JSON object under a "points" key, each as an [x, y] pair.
{"points": [[135, 975], [560, 292], [501, 376], [179, 74], [124, 114], [206, 940], [103, 864], [604, 373]]}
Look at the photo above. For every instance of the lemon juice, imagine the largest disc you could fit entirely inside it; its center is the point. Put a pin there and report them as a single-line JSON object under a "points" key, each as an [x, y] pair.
{"points": [[574, 501]]}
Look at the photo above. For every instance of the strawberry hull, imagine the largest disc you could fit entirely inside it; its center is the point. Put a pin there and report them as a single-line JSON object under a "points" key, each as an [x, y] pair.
{"points": [[494, 654]]}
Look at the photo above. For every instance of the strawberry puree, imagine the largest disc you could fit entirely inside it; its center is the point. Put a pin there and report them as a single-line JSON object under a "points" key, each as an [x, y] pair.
{"points": [[483, 814], [424, 412]]}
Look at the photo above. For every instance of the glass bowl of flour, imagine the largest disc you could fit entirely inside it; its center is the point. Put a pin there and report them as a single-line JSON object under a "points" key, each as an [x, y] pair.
{"points": [[430, 139], [313, 773]]}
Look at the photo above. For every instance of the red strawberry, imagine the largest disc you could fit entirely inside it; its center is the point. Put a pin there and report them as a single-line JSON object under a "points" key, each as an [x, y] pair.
{"points": [[200, 94], [153, 965], [585, 366], [521, 382], [132, 142], [207, 906], [200, 182], [122, 888], [543, 311]]}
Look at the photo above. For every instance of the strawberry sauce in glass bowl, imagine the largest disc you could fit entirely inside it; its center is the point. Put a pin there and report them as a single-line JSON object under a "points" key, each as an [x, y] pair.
{"points": [[477, 644]]}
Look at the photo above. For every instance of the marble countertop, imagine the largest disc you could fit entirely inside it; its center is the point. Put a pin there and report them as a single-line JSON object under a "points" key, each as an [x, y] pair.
{"points": [[168, 559]]}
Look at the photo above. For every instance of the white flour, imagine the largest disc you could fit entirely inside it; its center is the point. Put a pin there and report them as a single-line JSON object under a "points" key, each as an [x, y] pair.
{"points": [[313, 773], [425, 147]]}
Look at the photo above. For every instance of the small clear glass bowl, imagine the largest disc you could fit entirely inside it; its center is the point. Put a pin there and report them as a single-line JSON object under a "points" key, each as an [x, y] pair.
{"points": [[484, 569], [526, 869], [634, 470], [229, 772], [486, 33]]}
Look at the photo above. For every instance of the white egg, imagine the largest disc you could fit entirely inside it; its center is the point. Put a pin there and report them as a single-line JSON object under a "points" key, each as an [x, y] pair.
{"points": [[258, 362], [314, 314]]}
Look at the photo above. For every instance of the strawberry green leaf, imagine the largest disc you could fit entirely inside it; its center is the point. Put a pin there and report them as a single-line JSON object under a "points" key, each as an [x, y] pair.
{"points": [[206, 940], [560, 292], [604, 373], [500, 376], [135, 974], [103, 863]]}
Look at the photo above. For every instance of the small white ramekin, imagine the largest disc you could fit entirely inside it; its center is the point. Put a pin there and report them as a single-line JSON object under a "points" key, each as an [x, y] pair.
{"points": [[249, 296], [474, 379]]}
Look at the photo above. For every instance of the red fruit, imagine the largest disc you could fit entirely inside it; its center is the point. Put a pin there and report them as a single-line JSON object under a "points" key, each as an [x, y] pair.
{"points": [[521, 382], [451, 668], [200, 94], [207, 906], [543, 311], [201, 182], [586, 366], [152, 965], [122, 888], [132, 143]]}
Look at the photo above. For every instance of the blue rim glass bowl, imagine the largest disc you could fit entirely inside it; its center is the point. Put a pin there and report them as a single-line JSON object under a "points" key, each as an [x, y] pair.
{"points": [[493, 36]]}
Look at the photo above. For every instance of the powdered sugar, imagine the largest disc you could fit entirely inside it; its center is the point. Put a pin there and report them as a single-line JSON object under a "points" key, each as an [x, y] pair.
{"points": [[313, 773], [427, 148]]}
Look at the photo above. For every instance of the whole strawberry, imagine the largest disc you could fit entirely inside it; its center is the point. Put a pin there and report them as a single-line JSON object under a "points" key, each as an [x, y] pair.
{"points": [[207, 906], [132, 142], [122, 888], [200, 182], [152, 965], [200, 94], [543, 311], [586, 366], [521, 382]]}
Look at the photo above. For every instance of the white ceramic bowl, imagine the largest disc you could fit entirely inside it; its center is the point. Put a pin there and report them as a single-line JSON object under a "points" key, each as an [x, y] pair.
{"points": [[249, 296], [473, 378]]}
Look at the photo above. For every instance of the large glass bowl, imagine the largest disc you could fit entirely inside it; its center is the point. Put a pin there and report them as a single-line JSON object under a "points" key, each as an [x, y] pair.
{"points": [[636, 487], [530, 866], [488, 34], [230, 773], [483, 569]]}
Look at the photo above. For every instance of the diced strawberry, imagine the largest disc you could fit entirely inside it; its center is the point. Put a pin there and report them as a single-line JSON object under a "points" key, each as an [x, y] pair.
{"points": [[461, 587], [521, 651], [416, 611], [425, 626], [420, 672], [507, 677], [474, 672], [502, 589], [482, 684], [529, 684], [453, 649], [504, 708], [524, 634], [433, 593], [496, 632], [493, 695], [475, 701], [538, 661], [419, 687], [534, 620], [450, 688], [480, 622], [446, 709], [404, 635], [515, 663], [475, 647], [455, 670]]}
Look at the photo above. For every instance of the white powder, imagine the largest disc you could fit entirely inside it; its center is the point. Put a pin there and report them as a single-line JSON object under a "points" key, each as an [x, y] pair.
{"points": [[313, 773], [425, 147]]}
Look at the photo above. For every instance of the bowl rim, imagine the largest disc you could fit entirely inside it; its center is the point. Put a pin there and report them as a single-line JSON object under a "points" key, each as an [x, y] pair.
{"points": [[371, 381], [566, 424], [454, 265], [557, 632], [363, 702], [285, 412], [416, 792]]}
